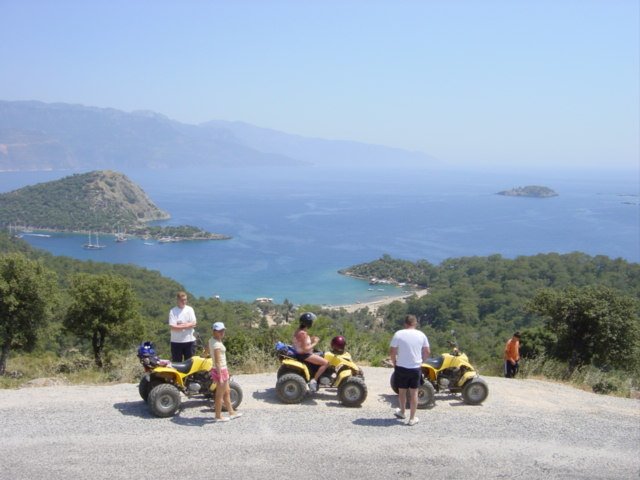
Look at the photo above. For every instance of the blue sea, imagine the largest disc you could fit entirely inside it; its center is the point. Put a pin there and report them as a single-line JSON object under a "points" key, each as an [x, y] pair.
{"points": [[293, 229]]}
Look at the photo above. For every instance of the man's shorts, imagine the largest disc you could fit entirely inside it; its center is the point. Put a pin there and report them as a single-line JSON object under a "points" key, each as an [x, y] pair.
{"points": [[407, 377]]}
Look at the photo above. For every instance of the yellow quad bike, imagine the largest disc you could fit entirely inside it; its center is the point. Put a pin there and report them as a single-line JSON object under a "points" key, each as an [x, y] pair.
{"points": [[450, 372], [163, 382], [342, 373]]}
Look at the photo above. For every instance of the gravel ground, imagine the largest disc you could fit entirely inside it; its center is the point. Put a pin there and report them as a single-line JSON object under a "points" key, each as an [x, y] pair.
{"points": [[526, 429]]}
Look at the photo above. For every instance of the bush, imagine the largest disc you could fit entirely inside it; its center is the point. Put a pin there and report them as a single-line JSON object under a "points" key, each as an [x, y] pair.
{"points": [[588, 377]]}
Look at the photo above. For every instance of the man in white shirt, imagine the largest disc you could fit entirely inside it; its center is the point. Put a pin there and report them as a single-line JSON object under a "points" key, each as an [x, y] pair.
{"points": [[182, 320], [408, 350]]}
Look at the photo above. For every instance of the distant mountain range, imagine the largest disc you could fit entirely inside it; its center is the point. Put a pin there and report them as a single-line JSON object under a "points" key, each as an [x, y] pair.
{"points": [[58, 136]]}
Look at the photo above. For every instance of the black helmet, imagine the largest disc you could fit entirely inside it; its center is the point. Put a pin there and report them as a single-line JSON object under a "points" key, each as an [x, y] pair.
{"points": [[307, 319], [338, 344]]}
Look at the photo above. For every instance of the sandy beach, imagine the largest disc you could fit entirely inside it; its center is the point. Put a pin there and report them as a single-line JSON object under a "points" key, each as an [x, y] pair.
{"points": [[375, 304]]}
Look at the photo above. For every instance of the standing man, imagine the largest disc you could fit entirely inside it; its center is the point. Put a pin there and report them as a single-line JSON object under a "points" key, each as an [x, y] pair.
{"points": [[512, 356], [182, 320], [408, 350]]}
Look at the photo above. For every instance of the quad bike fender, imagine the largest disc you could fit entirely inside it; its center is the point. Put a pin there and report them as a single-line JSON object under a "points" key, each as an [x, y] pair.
{"points": [[298, 366], [429, 373], [167, 375], [466, 377], [342, 375]]}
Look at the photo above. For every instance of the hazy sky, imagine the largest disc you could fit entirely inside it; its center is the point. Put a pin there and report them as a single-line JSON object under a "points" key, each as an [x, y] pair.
{"points": [[504, 81]]}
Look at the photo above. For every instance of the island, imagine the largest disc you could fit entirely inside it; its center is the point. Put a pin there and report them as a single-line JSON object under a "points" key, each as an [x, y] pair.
{"points": [[535, 191], [99, 202]]}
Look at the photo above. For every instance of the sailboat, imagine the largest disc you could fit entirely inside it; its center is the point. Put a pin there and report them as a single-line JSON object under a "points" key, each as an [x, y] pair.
{"points": [[121, 236], [93, 246]]}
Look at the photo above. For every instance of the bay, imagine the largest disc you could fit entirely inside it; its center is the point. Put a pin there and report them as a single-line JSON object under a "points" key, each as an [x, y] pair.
{"points": [[293, 229]]}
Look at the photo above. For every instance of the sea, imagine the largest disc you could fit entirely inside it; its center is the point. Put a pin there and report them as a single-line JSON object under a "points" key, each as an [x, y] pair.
{"points": [[292, 229]]}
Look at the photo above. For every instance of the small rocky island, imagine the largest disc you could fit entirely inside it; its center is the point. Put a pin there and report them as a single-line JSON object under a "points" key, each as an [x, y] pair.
{"points": [[535, 191], [101, 201]]}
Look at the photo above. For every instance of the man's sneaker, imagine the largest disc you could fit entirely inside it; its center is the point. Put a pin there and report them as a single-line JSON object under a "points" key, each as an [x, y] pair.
{"points": [[398, 414], [413, 421], [313, 385]]}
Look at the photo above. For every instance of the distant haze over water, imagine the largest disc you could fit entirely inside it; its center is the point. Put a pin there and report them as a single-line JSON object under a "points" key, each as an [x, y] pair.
{"points": [[293, 228]]}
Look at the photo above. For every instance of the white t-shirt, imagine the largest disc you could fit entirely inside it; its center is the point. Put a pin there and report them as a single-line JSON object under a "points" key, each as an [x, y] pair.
{"points": [[178, 316], [409, 343]]}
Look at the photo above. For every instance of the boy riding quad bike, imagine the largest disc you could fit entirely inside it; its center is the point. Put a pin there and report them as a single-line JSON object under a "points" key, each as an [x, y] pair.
{"points": [[450, 372], [163, 381], [342, 373]]}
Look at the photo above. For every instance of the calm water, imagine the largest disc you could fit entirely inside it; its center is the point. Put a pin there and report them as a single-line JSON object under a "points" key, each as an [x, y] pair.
{"points": [[293, 229]]}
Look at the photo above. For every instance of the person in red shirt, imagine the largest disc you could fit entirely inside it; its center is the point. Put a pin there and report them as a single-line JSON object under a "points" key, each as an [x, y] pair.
{"points": [[512, 356]]}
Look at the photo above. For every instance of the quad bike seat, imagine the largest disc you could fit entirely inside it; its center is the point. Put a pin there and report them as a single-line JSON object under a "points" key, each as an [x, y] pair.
{"points": [[435, 362], [183, 367]]}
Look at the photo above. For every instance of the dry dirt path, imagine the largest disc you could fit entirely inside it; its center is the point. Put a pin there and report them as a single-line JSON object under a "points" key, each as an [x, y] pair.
{"points": [[526, 429]]}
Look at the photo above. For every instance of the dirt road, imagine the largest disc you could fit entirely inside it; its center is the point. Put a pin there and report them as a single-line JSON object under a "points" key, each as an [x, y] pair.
{"points": [[526, 429]]}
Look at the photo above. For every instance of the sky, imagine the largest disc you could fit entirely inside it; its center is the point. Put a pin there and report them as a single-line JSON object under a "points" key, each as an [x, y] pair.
{"points": [[492, 82]]}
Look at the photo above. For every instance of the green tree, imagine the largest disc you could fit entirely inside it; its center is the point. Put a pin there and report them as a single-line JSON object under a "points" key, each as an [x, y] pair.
{"points": [[102, 306], [592, 324], [27, 299]]}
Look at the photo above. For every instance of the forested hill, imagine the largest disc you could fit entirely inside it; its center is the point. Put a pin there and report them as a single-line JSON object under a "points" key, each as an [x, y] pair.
{"points": [[485, 299], [523, 274], [88, 201]]}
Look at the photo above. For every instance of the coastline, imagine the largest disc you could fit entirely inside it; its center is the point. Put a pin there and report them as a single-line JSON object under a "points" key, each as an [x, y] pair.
{"points": [[47, 231], [373, 305]]}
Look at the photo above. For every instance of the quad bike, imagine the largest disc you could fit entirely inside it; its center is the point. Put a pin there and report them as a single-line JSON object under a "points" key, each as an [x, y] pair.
{"points": [[342, 373], [450, 372], [163, 381]]}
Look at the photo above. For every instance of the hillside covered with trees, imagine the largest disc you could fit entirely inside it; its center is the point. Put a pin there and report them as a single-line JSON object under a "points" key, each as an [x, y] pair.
{"points": [[485, 299], [103, 201], [576, 312]]}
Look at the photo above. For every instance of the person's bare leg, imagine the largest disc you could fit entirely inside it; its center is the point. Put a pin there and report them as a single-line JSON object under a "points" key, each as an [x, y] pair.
{"points": [[413, 402], [402, 399]]}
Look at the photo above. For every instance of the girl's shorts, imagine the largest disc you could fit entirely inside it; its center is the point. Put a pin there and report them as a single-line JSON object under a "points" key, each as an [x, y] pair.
{"points": [[223, 377]]}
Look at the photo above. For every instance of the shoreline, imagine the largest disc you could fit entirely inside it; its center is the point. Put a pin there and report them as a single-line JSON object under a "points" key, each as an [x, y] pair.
{"points": [[373, 305], [45, 231]]}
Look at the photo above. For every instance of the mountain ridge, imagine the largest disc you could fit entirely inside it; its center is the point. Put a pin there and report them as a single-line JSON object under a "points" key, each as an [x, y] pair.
{"points": [[36, 135]]}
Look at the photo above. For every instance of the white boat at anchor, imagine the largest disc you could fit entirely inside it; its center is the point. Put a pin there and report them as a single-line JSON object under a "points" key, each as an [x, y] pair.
{"points": [[93, 246]]}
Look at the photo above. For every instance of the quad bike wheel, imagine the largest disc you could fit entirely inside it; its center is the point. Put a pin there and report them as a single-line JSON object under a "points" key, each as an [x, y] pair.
{"points": [[235, 392], [164, 400], [426, 395], [145, 386], [291, 388], [475, 391], [426, 392], [352, 392], [392, 381]]}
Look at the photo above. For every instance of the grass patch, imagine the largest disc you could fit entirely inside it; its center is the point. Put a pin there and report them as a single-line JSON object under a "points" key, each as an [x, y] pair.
{"points": [[587, 377]]}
